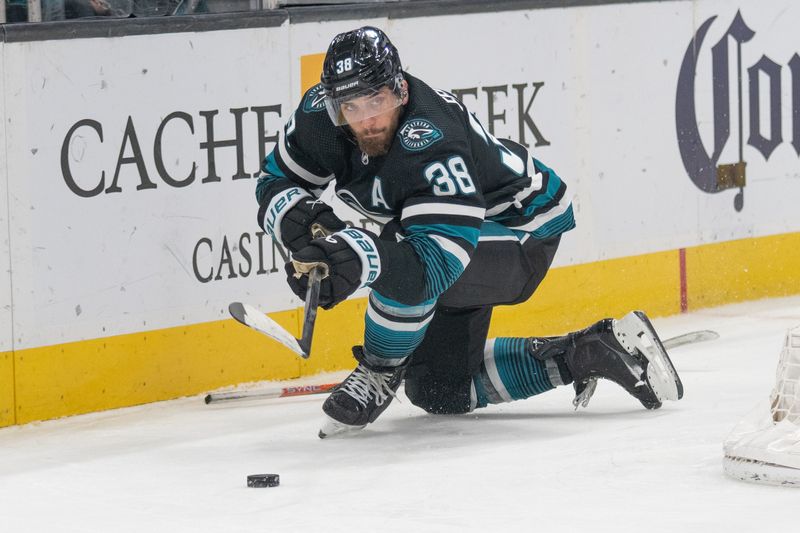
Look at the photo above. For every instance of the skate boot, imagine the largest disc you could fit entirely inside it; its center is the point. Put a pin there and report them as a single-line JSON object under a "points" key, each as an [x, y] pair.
{"points": [[627, 352], [361, 397]]}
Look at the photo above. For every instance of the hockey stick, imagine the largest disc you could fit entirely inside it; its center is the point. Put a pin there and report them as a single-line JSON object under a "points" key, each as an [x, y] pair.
{"points": [[253, 318], [315, 276], [303, 390], [269, 393]]}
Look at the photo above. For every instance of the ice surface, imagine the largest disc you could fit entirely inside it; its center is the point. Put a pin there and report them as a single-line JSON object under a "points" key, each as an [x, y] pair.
{"points": [[534, 465]]}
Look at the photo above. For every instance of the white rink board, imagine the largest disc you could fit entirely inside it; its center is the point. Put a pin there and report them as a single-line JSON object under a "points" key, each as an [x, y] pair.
{"points": [[129, 261], [5, 258], [124, 261]]}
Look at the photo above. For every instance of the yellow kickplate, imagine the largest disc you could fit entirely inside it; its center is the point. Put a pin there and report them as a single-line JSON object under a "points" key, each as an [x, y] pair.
{"points": [[124, 370], [747, 269], [7, 389], [577, 296]]}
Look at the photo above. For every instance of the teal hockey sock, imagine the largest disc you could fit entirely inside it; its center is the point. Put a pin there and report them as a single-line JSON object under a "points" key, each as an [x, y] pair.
{"points": [[509, 372]]}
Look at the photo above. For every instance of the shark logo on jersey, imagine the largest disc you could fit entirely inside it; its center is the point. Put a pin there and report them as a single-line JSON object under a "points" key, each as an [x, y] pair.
{"points": [[315, 100], [418, 133]]}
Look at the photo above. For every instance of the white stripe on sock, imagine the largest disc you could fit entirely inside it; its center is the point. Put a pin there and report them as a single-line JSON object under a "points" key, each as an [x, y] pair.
{"points": [[491, 371]]}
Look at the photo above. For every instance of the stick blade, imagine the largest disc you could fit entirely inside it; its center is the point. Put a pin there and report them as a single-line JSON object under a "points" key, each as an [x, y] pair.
{"points": [[237, 311], [691, 338], [253, 318]]}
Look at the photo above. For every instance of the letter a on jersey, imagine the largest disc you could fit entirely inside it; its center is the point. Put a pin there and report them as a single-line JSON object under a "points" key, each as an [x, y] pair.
{"points": [[377, 194]]}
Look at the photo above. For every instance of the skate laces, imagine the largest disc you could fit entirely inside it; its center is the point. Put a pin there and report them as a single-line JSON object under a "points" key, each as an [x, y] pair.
{"points": [[364, 384]]}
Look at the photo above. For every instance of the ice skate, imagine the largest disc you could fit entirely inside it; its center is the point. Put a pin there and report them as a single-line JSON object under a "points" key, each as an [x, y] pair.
{"points": [[360, 398], [331, 427], [626, 351]]}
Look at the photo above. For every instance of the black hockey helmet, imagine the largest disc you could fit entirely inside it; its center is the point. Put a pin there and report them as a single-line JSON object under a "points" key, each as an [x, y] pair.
{"points": [[359, 63]]}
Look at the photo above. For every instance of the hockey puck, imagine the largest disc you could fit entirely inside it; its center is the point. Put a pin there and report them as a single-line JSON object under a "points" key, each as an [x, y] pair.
{"points": [[263, 480]]}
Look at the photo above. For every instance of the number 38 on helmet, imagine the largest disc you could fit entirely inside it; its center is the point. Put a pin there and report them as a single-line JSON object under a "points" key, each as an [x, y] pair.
{"points": [[357, 66]]}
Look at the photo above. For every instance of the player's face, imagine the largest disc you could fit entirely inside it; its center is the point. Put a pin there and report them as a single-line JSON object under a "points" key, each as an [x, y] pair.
{"points": [[373, 120]]}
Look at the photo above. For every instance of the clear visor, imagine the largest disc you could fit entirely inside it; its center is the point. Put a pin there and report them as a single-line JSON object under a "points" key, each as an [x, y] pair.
{"points": [[352, 109]]}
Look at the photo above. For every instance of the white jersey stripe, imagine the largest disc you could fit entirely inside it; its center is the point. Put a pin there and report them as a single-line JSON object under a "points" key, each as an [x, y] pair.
{"points": [[295, 167], [489, 238], [442, 209], [534, 186], [453, 248], [544, 218]]}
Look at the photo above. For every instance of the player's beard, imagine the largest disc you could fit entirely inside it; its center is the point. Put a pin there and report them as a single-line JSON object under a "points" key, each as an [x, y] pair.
{"points": [[376, 142], [375, 146]]}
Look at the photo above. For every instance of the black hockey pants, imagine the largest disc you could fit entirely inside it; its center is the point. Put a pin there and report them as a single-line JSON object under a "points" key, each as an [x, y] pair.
{"points": [[501, 272]]}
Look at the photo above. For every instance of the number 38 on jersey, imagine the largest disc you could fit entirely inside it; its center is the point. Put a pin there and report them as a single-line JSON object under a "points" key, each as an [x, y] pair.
{"points": [[450, 177]]}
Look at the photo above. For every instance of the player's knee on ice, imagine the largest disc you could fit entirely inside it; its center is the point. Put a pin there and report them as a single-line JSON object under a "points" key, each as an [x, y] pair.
{"points": [[440, 395]]}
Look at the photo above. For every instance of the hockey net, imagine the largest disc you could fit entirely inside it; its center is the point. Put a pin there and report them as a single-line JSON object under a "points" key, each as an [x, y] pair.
{"points": [[765, 446]]}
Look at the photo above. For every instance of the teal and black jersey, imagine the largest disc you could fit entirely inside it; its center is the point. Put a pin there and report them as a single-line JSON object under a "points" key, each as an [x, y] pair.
{"points": [[443, 176]]}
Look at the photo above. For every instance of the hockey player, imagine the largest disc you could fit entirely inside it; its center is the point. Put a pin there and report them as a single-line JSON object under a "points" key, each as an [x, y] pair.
{"points": [[470, 222]]}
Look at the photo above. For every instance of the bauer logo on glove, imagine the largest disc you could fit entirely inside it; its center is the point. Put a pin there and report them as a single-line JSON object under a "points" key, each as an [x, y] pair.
{"points": [[342, 257]]}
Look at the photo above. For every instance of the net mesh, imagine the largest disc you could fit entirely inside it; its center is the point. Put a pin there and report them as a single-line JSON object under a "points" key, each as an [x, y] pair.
{"points": [[764, 447], [786, 394]]}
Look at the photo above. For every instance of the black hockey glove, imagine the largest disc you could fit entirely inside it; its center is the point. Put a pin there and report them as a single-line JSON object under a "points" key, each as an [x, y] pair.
{"points": [[352, 261], [308, 216], [292, 215]]}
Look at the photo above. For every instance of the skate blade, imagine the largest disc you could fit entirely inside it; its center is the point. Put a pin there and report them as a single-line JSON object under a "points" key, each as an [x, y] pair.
{"points": [[582, 399], [635, 330], [331, 428]]}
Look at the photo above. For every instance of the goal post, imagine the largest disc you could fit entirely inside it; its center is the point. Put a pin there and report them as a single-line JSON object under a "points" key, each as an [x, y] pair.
{"points": [[765, 446]]}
